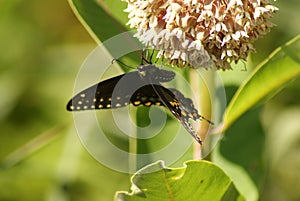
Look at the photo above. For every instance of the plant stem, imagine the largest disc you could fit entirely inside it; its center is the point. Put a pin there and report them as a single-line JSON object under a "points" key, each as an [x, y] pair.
{"points": [[203, 90], [133, 146]]}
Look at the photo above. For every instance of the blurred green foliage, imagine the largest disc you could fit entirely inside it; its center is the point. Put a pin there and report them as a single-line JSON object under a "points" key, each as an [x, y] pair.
{"points": [[42, 48]]}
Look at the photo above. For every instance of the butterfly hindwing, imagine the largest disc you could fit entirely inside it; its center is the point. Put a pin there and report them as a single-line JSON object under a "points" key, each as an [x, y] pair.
{"points": [[146, 96], [180, 107]]}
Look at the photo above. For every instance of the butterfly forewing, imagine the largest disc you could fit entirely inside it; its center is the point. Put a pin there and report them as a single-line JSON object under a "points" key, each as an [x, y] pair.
{"points": [[101, 95], [116, 92]]}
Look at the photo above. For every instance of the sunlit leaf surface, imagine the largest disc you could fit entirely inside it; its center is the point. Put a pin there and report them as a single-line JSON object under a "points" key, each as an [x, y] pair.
{"points": [[282, 66], [199, 180]]}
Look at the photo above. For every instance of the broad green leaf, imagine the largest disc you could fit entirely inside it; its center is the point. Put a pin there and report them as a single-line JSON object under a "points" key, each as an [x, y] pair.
{"points": [[239, 175], [199, 180], [96, 20], [241, 156], [282, 66], [116, 9]]}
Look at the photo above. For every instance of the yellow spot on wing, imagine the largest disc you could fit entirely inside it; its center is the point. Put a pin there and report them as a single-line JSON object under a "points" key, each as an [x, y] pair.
{"points": [[148, 104], [183, 113], [137, 102], [173, 103]]}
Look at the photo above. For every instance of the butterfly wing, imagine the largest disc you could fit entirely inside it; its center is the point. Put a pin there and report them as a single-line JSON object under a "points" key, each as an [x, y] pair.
{"points": [[178, 107], [187, 105], [116, 92], [146, 96], [97, 96], [111, 93]]}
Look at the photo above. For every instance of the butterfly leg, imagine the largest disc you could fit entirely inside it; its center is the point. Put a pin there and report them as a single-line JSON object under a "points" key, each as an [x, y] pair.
{"points": [[145, 57], [210, 122]]}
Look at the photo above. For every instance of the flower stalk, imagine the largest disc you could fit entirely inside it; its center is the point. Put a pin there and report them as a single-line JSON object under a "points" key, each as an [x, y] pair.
{"points": [[203, 90]]}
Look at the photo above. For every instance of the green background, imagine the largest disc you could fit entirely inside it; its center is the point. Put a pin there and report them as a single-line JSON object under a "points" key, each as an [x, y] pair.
{"points": [[42, 48]]}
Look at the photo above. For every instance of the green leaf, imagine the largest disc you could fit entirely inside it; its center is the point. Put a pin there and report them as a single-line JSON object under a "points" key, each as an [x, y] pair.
{"points": [[246, 167], [243, 182], [199, 180], [96, 20], [116, 9], [282, 66]]}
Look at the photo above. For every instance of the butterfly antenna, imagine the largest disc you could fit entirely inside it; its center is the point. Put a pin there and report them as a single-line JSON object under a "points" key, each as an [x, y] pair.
{"points": [[144, 58], [152, 55], [120, 62]]}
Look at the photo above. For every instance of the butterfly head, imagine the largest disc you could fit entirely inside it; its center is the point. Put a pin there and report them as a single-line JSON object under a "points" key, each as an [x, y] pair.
{"points": [[150, 71]]}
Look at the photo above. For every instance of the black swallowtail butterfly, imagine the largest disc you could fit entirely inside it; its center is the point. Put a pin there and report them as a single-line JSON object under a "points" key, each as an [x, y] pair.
{"points": [[140, 87]]}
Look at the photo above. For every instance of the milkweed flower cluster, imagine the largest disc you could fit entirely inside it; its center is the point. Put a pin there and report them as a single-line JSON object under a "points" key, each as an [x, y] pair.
{"points": [[200, 33]]}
